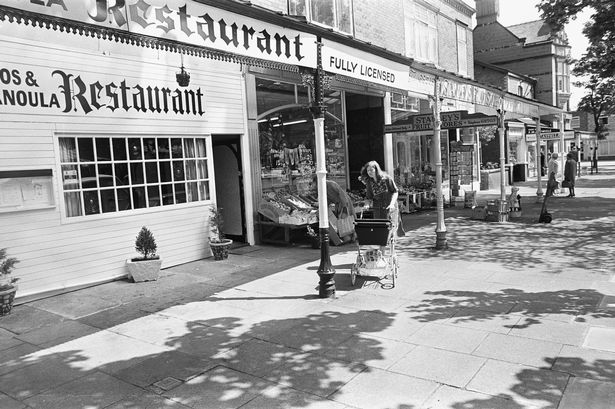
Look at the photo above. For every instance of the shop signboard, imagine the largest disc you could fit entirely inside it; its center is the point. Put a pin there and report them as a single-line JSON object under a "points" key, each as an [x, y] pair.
{"points": [[46, 90], [450, 120], [186, 21], [343, 60], [548, 135]]}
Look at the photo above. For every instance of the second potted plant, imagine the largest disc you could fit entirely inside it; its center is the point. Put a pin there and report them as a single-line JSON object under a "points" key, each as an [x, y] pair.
{"points": [[218, 243], [7, 282], [146, 267]]}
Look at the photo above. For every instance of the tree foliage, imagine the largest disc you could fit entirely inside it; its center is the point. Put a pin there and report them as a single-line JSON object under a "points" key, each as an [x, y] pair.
{"points": [[599, 100], [599, 30]]}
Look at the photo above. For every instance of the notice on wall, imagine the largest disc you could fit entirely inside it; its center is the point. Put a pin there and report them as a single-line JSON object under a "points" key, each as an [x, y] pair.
{"points": [[25, 193]]}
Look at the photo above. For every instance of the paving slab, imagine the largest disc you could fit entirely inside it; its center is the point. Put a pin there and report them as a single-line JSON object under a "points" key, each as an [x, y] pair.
{"points": [[219, 387], [524, 384], [448, 337], [378, 389], [519, 350], [447, 397], [315, 374], [600, 338], [450, 368], [280, 397], [370, 350], [588, 394], [92, 390], [586, 363], [553, 331]]}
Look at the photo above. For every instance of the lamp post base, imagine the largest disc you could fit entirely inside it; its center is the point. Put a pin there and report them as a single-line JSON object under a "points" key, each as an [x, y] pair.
{"points": [[326, 272], [441, 243]]}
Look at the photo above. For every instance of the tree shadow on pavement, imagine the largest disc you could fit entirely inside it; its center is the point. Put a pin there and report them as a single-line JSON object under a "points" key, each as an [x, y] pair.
{"points": [[531, 306], [170, 359]]}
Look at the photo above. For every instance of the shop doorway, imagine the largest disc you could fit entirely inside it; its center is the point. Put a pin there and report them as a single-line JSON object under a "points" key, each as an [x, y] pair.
{"points": [[229, 185], [364, 127]]}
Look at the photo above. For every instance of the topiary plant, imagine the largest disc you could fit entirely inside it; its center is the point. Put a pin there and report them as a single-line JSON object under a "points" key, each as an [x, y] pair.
{"points": [[216, 223], [145, 244], [6, 269]]}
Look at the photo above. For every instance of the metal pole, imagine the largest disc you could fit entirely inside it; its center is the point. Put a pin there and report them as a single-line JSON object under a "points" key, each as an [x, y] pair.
{"points": [[539, 192], [561, 142], [503, 210], [440, 226], [326, 272]]}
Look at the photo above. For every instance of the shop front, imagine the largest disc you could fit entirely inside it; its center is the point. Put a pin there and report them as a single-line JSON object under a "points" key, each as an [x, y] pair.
{"points": [[102, 134], [354, 96]]}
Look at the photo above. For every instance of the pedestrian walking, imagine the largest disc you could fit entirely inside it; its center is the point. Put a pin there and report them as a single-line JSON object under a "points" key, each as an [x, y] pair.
{"points": [[570, 173], [553, 173]]}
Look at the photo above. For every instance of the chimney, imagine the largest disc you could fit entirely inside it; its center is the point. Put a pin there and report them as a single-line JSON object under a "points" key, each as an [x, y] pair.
{"points": [[487, 11]]}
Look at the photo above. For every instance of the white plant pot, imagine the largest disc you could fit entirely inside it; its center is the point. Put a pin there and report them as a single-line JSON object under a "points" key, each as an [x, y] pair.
{"points": [[143, 270]]}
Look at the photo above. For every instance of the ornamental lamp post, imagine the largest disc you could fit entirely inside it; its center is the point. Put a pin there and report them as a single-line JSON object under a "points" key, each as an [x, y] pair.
{"points": [[503, 208], [441, 242], [326, 272]]}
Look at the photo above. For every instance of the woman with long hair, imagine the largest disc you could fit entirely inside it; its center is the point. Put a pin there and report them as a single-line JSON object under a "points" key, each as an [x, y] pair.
{"points": [[382, 191]]}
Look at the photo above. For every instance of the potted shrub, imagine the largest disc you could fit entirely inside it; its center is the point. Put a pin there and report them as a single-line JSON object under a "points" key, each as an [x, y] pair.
{"points": [[218, 243], [7, 282], [146, 267]]}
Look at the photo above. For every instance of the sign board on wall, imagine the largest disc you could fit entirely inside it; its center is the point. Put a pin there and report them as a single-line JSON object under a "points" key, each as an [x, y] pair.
{"points": [[549, 135], [43, 90], [450, 120], [187, 22], [339, 59]]}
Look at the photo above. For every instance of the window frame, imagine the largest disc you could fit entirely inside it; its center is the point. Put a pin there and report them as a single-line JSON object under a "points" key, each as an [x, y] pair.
{"points": [[462, 49], [209, 180], [419, 28], [336, 6]]}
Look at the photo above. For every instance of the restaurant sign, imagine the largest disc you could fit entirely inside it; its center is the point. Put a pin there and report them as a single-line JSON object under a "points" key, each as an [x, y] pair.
{"points": [[63, 91], [185, 21]]}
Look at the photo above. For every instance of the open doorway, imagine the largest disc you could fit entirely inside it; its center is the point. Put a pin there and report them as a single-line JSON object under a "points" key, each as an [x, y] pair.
{"points": [[229, 185], [365, 127]]}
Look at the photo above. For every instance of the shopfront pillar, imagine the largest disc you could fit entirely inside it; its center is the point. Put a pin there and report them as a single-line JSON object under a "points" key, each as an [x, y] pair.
{"points": [[539, 192], [562, 143], [389, 166]]}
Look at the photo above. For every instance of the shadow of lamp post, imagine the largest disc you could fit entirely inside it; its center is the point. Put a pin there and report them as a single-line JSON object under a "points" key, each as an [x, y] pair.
{"points": [[317, 81]]}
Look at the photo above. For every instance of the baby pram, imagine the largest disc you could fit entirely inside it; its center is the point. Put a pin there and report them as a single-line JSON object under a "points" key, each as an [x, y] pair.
{"points": [[371, 235]]}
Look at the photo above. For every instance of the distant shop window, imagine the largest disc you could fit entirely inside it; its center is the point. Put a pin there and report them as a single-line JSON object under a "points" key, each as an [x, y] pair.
{"points": [[422, 33], [118, 174], [462, 50], [335, 14]]}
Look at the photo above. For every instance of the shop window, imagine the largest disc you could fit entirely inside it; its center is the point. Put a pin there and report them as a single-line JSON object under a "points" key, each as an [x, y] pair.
{"points": [[286, 136], [335, 14], [110, 175]]}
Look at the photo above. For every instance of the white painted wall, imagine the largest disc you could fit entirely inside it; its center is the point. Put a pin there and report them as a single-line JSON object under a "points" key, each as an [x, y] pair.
{"points": [[56, 252]]}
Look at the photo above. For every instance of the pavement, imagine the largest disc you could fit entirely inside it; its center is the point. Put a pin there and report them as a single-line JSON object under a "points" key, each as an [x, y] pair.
{"points": [[512, 315]]}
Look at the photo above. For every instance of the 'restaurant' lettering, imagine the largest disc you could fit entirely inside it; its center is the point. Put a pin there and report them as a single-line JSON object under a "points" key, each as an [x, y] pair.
{"points": [[87, 97], [205, 26]]}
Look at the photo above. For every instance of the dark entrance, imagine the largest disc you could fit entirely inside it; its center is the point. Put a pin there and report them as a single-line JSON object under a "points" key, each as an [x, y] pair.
{"points": [[365, 125], [229, 185]]}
